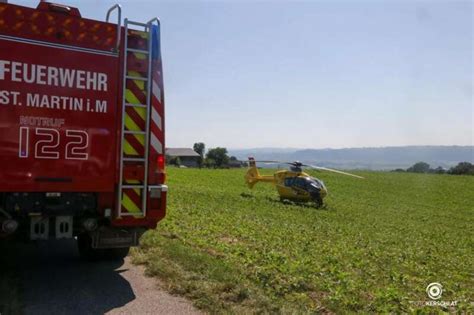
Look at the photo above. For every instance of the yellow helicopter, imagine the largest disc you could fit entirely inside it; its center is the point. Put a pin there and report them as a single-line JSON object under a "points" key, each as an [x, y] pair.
{"points": [[293, 184]]}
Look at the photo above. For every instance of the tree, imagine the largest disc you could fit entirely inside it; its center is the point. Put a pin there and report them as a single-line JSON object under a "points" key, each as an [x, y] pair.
{"points": [[463, 168], [439, 170], [233, 158], [200, 148], [420, 167], [209, 163], [218, 155]]}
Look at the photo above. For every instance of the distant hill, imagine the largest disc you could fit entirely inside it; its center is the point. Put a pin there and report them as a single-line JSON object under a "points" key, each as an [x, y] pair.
{"points": [[383, 158]]}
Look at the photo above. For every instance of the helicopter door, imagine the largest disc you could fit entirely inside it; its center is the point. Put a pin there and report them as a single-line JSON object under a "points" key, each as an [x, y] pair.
{"points": [[299, 185]]}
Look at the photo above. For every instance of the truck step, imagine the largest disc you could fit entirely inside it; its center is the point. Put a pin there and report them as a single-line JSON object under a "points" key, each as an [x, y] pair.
{"points": [[132, 186], [129, 77], [138, 51], [126, 159], [136, 105], [130, 132], [137, 24]]}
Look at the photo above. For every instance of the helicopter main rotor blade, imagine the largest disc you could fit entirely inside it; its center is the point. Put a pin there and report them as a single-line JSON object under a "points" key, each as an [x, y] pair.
{"points": [[334, 171], [270, 162]]}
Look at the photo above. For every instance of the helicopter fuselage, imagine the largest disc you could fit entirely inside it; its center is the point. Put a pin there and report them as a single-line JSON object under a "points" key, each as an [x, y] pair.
{"points": [[298, 186], [293, 184]]}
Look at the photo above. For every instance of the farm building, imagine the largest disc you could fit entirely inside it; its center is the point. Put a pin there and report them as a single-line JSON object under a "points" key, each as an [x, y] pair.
{"points": [[187, 156]]}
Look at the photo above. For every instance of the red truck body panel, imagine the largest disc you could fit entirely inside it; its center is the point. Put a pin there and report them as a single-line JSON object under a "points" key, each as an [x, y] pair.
{"points": [[59, 136], [61, 101]]}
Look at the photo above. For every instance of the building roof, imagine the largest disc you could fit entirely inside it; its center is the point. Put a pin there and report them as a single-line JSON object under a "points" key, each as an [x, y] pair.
{"points": [[181, 152]]}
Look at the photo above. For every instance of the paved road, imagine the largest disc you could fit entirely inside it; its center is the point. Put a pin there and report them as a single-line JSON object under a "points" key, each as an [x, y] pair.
{"points": [[53, 280]]}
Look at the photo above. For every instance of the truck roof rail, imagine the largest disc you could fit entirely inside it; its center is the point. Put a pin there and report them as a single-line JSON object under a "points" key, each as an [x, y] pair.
{"points": [[119, 22]]}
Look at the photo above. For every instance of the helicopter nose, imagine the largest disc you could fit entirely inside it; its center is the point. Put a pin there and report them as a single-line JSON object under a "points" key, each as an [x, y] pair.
{"points": [[323, 192]]}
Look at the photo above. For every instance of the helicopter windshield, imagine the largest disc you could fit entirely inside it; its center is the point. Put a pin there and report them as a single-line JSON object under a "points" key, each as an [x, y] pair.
{"points": [[312, 185], [306, 183], [318, 183]]}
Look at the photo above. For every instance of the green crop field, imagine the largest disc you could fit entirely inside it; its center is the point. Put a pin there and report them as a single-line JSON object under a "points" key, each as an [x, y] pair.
{"points": [[375, 246]]}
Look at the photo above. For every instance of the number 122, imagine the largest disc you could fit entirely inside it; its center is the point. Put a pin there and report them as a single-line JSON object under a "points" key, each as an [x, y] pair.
{"points": [[48, 147]]}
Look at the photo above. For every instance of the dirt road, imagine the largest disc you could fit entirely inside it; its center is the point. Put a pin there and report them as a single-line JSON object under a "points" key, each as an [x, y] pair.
{"points": [[53, 280]]}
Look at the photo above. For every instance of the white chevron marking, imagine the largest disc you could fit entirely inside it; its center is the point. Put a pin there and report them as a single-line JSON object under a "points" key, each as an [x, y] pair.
{"points": [[156, 91], [156, 144], [156, 118]]}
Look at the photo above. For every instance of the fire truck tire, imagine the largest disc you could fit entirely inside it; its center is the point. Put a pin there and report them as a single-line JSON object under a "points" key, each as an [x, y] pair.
{"points": [[84, 245], [116, 253]]}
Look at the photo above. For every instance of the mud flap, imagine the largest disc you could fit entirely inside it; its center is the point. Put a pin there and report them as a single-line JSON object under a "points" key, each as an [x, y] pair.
{"points": [[116, 238]]}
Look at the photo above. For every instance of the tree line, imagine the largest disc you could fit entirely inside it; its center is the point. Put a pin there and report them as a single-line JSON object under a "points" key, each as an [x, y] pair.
{"points": [[463, 168], [214, 157]]}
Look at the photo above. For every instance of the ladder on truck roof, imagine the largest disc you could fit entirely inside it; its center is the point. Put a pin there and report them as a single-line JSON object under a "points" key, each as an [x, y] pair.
{"points": [[135, 130]]}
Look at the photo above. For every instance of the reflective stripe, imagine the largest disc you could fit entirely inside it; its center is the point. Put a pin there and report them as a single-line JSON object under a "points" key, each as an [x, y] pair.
{"points": [[140, 56], [132, 181], [156, 118], [131, 125], [139, 83], [128, 149], [156, 91], [134, 145], [140, 138], [156, 144], [140, 111], [130, 206], [135, 118], [131, 98]]}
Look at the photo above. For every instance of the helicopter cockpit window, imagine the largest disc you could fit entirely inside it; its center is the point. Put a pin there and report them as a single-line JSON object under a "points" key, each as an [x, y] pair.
{"points": [[289, 181], [300, 182]]}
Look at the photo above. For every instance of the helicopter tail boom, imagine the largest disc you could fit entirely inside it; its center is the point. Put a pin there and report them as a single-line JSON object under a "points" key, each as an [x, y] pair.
{"points": [[253, 175]]}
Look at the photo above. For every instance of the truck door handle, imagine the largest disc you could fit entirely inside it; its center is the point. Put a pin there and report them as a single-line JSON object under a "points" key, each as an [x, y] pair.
{"points": [[54, 179]]}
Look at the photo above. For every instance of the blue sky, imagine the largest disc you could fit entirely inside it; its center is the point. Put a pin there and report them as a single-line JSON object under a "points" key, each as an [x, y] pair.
{"points": [[312, 74]]}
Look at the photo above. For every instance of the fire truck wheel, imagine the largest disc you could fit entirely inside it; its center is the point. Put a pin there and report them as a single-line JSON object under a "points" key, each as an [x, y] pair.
{"points": [[116, 253], [84, 245]]}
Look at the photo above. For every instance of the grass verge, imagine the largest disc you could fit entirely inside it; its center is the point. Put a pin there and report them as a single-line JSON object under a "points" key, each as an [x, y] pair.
{"points": [[211, 283]]}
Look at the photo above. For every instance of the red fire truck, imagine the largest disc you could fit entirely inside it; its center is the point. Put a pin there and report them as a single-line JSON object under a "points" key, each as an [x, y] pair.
{"points": [[81, 128]]}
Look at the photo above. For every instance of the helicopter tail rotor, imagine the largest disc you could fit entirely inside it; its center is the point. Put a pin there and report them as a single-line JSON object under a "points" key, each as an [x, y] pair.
{"points": [[251, 178], [253, 175]]}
